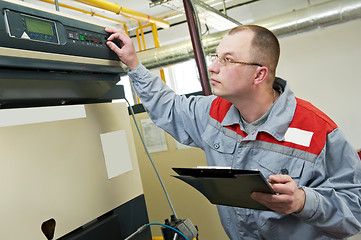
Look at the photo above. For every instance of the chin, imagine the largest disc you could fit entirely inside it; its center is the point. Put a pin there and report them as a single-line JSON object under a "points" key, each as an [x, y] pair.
{"points": [[217, 92]]}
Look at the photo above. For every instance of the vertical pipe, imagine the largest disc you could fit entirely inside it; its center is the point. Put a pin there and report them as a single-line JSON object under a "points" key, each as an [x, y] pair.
{"points": [[56, 5], [224, 8], [197, 47]]}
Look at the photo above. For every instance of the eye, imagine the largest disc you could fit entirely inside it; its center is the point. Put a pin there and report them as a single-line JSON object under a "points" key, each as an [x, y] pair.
{"points": [[228, 59]]}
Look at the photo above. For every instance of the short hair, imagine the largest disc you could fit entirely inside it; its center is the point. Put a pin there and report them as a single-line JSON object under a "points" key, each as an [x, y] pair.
{"points": [[265, 46]]}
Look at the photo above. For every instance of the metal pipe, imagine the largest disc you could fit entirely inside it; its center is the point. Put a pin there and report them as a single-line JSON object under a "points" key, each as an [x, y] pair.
{"points": [[57, 5], [304, 20], [126, 12], [88, 12], [197, 46], [315, 17], [224, 7], [177, 52]]}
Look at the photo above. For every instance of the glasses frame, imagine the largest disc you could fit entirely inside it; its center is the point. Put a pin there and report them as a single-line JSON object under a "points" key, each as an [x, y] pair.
{"points": [[223, 61]]}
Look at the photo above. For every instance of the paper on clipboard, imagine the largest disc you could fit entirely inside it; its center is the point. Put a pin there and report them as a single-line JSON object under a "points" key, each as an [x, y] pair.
{"points": [[230, 187]]}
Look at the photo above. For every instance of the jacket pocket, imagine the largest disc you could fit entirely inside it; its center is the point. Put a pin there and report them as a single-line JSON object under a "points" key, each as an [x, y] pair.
{"points": [[218, 140], [279, 164]]}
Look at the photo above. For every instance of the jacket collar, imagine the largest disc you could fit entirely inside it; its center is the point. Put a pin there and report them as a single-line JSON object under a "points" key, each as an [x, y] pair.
{"points": [[280, 117]]}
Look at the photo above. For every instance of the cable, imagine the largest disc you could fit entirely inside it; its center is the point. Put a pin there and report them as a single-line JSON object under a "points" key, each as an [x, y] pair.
{"points": [[139, 230], [150, 158], [176, 230], [142, 228]]}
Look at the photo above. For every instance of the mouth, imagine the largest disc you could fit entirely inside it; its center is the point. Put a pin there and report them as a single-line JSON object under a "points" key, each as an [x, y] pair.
{"points": [[214, 82]]}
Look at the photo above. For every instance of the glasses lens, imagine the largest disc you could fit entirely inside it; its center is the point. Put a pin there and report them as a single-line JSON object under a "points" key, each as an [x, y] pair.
{"points": [[212, 57]]}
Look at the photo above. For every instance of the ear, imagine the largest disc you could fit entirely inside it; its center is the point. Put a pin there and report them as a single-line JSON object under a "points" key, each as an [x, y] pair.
{"points": [[261, 75]]}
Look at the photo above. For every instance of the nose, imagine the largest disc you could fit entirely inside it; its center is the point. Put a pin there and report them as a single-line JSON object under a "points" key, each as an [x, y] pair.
{"points": [[213, 67]]}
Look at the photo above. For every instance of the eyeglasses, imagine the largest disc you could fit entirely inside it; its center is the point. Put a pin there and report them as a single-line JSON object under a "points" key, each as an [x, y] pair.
{"points": [[223, 61]]}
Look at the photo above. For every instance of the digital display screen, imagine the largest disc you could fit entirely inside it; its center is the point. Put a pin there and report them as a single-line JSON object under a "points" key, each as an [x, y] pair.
{"points": [[38, 26]]}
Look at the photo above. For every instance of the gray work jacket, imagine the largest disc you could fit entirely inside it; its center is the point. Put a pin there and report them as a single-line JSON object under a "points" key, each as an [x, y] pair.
{"points": [[297, 139]]}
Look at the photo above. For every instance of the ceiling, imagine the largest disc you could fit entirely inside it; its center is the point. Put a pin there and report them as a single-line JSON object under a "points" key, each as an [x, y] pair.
{"points": [[242, 11]]}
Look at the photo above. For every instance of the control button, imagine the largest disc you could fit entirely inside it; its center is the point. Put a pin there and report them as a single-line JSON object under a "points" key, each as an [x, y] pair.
{"points": [[73, 35]]}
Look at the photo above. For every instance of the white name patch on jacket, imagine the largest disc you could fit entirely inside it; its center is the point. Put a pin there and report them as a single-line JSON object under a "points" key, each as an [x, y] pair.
{"points": [[298, 136]]}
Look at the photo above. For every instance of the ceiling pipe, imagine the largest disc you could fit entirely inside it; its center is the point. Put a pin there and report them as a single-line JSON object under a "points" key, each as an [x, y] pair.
{"points": [[91, 13], [126, 12], [304, 20]]}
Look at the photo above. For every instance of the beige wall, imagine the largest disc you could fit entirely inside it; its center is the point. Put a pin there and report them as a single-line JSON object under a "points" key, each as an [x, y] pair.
{"points": [[57, 170], [323, 67]]}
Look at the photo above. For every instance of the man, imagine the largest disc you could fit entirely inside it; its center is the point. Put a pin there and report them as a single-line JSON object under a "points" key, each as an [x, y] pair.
{"points": [[254, 121]]}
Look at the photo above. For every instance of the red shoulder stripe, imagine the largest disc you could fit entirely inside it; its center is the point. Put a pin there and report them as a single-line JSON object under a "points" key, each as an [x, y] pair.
{"points": [[219, 109]]}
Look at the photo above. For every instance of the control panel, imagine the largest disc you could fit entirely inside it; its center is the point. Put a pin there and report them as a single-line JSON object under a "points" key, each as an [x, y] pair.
{"points": [[27, 28]]}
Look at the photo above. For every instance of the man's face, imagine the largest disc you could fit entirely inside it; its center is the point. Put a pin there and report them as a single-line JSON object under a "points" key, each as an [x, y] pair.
{"points": [[232, 80]]}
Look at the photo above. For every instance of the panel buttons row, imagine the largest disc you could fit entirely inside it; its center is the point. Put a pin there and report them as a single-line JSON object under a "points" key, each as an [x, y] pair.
{"points": [[85, 38], [40, 36]]}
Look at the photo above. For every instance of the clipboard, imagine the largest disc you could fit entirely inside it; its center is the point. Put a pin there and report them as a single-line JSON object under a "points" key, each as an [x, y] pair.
{"points": [[226, 186]]}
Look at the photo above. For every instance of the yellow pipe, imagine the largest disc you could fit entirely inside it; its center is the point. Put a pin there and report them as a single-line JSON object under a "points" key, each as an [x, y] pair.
{"points": [[88, 12], [155, 35], [142, 35], [156, 42], [162, 75], [154, 31], [126, 12]]}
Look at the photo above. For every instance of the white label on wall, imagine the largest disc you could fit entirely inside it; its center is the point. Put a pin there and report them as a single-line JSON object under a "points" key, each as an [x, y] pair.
{"points": [[116, 153], [154, 137]]}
